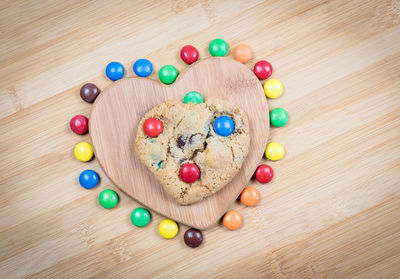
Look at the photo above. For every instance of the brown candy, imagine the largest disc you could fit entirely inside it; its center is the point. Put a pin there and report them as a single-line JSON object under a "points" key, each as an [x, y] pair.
{"points": [[193, 238], [89, 92]]}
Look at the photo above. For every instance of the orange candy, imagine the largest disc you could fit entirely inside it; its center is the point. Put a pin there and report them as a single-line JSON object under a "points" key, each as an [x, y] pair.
{"points": [[232, 220], [250, 196], [242, 53]]}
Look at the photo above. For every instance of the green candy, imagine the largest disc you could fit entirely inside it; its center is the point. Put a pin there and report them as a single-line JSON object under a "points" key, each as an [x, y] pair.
{"points": [[108, 198], [140, 217], [193, 97], [218, 47], [168, 74], [278, 117]]}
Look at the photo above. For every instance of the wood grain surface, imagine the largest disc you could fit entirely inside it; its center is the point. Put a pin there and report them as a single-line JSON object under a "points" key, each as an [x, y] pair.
{"points": [[116, 113], [332, 209]]}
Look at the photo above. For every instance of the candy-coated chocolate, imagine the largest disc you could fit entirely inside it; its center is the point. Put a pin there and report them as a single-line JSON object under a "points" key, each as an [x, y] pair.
{"points": [[224, 126], [143, 67], [189, 54], [88, 179], [263, 69], [249, 196], [83, 151], [232, 220], [168, 229], [189, 173], [264, 173], [193, 97], [193, 238], [274, 151], [108, 198], [273, 88], [140, 217], [153, 127], [115, 71], [218, 47], [168, 74], [278, 117], [242, 53], [89, 92], [79, 124]]}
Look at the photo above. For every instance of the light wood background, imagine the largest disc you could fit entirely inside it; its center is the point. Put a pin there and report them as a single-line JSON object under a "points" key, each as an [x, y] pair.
{"points": [[332, 210]]}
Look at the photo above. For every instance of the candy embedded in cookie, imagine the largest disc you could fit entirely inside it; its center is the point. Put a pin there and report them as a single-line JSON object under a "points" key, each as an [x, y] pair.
{"points": [[194, 147], [224, 126], [153, 127], [189, 173]]}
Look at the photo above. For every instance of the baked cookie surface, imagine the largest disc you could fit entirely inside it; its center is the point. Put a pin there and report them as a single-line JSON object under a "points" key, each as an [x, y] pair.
{"points": [[188, 136]]}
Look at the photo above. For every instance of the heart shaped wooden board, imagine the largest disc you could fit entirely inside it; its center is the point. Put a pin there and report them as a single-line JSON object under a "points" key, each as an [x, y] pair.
{"points": [[118, 109]]}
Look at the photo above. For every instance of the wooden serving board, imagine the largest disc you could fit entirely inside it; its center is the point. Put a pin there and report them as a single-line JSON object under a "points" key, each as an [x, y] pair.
{"points": [[117, 111]]}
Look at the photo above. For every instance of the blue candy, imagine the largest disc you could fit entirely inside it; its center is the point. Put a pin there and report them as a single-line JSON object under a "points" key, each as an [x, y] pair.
{"points": [[142, 67], [224, 126], [88, 179], [115, 71]]}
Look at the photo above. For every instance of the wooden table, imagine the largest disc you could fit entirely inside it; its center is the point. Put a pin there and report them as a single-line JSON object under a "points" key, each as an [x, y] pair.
{"points": [[332, 210]]}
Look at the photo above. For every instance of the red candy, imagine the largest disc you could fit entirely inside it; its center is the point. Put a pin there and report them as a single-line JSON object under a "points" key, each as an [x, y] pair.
{"points": [[263, 69], [189, 54], [189, 173], [79, 124], [153, 127], [264, 174]]}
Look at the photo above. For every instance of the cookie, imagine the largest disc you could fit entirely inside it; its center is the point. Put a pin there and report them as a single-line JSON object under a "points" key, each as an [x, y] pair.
{"points": [[187, 135]]}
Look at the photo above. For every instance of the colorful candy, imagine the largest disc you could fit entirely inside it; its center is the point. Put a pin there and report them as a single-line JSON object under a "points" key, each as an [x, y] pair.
{"points": [[140, 217], [88, 179], [224, 126], [168, 229], [79, 124], [264, 173], [108, 198], [193, 97], [263, 69], [273, 88], [89, 92], [242, 53], [249, 196], [83, 151], [232, 220], [278, 117], [153, 127], [143, 67], [115, 71], [189, 173], [193, 238], [218, 47], [274, 151], [168, 74], [189, 54]]}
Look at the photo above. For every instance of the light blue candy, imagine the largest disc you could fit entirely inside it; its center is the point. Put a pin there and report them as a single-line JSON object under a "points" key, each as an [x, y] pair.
{"points": [[115, 71], [88, 179], [224, 126], [143, 68]]}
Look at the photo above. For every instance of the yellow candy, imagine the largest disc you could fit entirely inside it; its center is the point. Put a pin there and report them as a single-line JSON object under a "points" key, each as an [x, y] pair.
{"points": [[168, 229], [83, 151], [273, 88], [274, 151]]}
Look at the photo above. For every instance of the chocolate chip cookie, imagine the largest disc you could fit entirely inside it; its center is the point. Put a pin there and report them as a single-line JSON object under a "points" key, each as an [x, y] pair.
{"points": [[193, 149]]}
